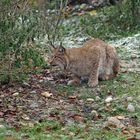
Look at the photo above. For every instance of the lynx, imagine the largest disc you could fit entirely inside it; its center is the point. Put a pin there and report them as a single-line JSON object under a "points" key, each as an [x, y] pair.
{"points": [[95, 60]]}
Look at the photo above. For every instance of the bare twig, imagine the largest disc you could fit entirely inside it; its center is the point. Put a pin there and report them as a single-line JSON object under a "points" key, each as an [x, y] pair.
{"points": [[53, 23]]}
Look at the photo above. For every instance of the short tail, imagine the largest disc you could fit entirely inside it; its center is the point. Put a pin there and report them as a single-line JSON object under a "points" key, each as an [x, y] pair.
{"points": [[116, 66]]}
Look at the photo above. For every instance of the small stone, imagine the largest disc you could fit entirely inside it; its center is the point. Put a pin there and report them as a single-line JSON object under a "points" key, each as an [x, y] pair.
{"points": [[91, 100], [108, 104], [97, 98], [113, 121], [108, 99], [2, 96], [129, 99], [33, 92], [130, 108], [133, 56], [2, 126], [41, 81], [94, 112], [16, 94], [46, 94]]}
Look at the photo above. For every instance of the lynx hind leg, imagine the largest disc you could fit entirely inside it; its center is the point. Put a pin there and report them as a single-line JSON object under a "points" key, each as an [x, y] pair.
{"points": [[112, 69], [107, 73], [74, 82], [113, 65], [116, 66]]}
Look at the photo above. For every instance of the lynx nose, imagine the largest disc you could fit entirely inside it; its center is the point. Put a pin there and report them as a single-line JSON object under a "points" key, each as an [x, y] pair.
{"points": [[50, 61]]}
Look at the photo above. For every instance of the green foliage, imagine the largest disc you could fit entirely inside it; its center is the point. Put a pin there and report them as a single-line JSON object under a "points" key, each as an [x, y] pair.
{"points": [[113, 22], [22, 23], [19, 22], [54, 130]]}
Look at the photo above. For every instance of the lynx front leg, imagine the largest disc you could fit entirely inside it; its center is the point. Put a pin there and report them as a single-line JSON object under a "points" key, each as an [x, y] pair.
{"points": [[109, 70], [93, 79]]}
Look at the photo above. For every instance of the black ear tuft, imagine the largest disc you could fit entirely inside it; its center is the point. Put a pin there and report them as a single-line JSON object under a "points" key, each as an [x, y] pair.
{"points": [[61, 48]]}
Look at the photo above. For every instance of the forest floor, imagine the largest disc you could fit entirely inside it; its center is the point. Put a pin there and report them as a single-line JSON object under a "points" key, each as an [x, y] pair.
{"points": [[45, 107]]}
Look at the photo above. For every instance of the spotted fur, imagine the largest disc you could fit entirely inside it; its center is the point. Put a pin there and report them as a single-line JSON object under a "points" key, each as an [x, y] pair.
{"points": [[95, 60]]}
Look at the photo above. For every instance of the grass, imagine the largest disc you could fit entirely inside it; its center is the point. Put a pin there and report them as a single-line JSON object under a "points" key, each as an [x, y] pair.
{"points": [[53, 130], [108, 23], [123, 86]]}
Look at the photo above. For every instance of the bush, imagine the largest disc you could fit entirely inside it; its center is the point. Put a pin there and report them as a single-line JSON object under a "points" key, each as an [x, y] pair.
{"points": [[114, 21], [19, 55], [22, 22]]}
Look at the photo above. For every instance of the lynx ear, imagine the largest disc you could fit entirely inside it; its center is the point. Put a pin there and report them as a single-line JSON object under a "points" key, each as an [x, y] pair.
{"points": [[51, 48], [61, 48]]}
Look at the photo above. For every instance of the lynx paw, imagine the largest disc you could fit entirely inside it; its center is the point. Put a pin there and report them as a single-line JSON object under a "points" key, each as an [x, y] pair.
{"points": [[92, 84], [73, 83], [103, 77]]}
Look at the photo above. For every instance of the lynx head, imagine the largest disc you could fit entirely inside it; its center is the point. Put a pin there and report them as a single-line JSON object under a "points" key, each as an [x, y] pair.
{"points": [[58, 57]]}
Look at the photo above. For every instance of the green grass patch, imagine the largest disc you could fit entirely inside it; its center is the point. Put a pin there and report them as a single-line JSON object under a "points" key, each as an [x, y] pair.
{"points": [[54, 130]]}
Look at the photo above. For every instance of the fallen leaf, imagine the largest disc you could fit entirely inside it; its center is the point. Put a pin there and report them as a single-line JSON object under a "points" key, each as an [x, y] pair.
{"points": [[78, 118], [93, 13], [50, 78], [71, 134], [125, 132], [72, 97], [138, 129], [25, 117], [90, 100], [80, 14], [113, 121], [120, 117], [16, 94], [46, 94]]}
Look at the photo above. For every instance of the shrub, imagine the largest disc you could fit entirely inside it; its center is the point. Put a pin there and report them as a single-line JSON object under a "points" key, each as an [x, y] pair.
{"points": [[114, 21], [22, 22]]}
